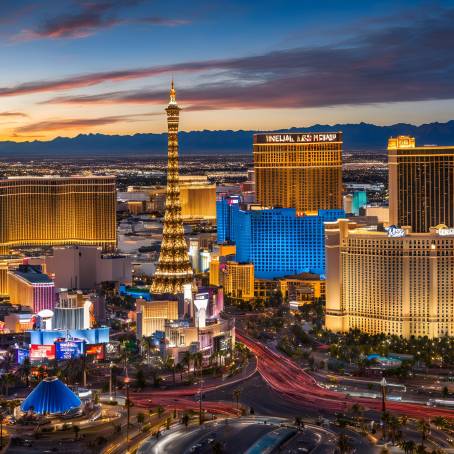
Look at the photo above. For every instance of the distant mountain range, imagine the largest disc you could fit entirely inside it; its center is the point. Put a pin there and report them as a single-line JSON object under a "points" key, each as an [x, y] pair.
{"points": [[362, 136]]}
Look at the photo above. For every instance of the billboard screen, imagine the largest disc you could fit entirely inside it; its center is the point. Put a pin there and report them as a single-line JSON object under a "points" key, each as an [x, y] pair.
{"points": [[21, 355], [98, 351], [42, 352], [68, 349]]}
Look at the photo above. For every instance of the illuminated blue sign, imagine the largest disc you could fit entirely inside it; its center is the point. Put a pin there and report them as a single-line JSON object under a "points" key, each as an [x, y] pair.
{"points": [[21, 355], [395, 232], [68, 349]]}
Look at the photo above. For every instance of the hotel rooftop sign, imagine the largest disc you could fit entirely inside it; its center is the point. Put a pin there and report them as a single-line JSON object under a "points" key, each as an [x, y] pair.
{"points": [[303, 137]]}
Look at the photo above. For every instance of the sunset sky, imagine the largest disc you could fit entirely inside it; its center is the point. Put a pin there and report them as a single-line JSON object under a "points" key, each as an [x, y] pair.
{"points": [[89, 66]]}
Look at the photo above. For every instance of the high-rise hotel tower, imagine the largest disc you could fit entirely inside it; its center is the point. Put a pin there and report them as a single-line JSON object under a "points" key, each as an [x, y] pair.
{"points": [[299, 170], [421, 184], [174, 269], [52, 211]]}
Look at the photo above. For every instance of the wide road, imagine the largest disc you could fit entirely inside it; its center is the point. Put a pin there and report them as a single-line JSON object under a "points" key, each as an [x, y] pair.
{"points": [[291, 381]]}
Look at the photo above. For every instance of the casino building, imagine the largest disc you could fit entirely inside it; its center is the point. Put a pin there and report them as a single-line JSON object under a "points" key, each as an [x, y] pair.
{"points": [[421, 184], [393, 282], [299, 170], [277, 241], [52, 211]]}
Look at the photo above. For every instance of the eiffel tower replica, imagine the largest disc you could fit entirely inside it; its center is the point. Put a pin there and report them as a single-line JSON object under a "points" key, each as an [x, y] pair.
{"points": [[174, 269]]}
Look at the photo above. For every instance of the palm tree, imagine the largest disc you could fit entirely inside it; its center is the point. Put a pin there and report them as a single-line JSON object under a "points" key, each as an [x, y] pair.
{"points": [[197, 359], [440, 422], [236, 395], [408, 446], [343, 444], [140, 418], [424, 427], [385, 417], [403, 420], [170, 364], [394, 426], [356, 410], [299, 423], [76, 430], [179, 369], [421, 449], [7, 380], [187, 357], [7, 361], [24, 371]]}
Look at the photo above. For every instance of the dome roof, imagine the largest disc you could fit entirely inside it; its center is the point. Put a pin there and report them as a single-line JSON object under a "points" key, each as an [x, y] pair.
{"points": [[50, 396]]}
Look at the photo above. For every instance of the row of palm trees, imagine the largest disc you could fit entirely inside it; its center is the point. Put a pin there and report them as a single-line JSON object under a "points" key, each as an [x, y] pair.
{"points": [[356, 343], [393, 429]]}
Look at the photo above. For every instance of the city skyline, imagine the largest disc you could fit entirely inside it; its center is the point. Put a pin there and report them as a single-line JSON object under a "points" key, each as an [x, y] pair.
{"points": [[104, 66]]}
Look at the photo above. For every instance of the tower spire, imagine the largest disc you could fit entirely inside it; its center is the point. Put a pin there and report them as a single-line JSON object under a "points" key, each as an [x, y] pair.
{"points": [[174, 269], [173, 94]]}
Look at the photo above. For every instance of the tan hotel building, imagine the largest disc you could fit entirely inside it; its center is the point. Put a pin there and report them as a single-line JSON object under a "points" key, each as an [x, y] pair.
{"points": [[299, 170], [52, 211], [394, 282]]}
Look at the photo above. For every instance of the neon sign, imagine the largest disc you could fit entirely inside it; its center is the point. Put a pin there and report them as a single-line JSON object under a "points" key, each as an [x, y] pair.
{"points": [[395, 232], [446, 232], [299, 137]]}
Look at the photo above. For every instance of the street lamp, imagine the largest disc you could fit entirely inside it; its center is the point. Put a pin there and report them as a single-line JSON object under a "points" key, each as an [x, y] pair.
{"points": [[127, 381], [111, 366], [383, 385]]}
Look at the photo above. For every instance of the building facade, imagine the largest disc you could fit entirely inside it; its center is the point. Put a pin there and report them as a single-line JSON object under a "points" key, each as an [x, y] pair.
{"points": [[395, 282], [152, 316], [301, 171], [57, 211], [29, 286], [277, 241], [197, 195], [238, 280], [421, 184], [85, 267]]}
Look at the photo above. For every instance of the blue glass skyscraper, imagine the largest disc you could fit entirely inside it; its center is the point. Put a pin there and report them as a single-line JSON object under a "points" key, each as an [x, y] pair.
{"points": [[359, 201], [277, 241], [226, 207]]}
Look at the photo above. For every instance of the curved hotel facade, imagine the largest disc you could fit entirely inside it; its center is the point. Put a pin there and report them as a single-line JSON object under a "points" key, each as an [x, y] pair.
{"points": [[57, 211], [394, 282]]}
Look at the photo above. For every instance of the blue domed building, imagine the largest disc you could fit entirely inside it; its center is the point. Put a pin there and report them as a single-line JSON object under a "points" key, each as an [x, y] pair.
{"points": [[51, 396]]}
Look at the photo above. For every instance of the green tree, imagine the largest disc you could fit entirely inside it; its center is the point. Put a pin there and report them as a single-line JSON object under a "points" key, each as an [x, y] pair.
{"points": [[424, 428]]}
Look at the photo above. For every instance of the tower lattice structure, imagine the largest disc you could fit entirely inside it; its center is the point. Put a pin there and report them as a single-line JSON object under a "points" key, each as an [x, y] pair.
{"points": [[173, 269]]}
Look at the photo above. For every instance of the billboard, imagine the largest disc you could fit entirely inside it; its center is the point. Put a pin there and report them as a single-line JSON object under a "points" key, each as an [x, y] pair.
{"points": [[96, 350], [309, 137], [68, 349], [21, 355], [42, 352]]}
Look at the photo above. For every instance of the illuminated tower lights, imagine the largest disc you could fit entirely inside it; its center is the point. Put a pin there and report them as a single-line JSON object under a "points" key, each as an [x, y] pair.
{"points": [[174, 269]]}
